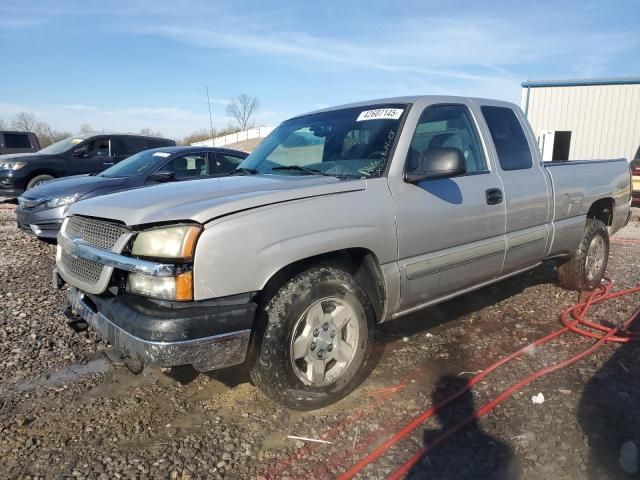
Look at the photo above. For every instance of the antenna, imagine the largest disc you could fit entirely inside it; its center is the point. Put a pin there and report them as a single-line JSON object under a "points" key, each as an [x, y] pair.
{"points": [[210, 115]]}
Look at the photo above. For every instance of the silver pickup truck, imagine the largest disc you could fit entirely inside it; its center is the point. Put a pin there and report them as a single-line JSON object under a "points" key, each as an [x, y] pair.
{"points": [[340, 219]]}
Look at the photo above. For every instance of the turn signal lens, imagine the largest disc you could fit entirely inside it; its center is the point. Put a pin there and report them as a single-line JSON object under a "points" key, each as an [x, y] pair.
{"points": [[178, 288], [184, 287]]}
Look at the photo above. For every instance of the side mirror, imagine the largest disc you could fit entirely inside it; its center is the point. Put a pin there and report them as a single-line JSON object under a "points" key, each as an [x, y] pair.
{"points": [[163, 176], [438, 163], [79, 153]]}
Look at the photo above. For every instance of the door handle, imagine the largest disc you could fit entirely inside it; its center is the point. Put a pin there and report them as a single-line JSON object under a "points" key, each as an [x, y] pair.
{"points": [[107, 164], [494, 196]]}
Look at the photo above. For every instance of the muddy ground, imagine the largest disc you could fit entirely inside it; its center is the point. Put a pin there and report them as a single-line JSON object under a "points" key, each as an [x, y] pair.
{"points": [[67, 410]]}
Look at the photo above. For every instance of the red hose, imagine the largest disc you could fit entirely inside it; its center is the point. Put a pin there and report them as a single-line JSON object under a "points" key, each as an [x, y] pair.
{"points": [[571, 317]]}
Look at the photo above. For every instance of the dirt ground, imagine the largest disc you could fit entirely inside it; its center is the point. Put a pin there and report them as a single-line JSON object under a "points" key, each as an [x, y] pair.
{"points": [[68, 410]]}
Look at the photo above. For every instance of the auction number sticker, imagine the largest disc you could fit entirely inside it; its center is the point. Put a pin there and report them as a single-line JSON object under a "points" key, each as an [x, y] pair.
{"points": [[161, 154], [380, 114]]}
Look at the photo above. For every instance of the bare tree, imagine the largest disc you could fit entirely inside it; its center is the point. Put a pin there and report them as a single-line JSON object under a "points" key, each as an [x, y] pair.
{"points": [[242, 109], [149, 132], [199, 136], [2, 124], [86, 128], [47, 135], [24, 121]]}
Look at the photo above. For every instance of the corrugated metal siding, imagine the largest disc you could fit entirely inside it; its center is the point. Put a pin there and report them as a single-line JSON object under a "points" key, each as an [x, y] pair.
{"points": [[604, 120]]}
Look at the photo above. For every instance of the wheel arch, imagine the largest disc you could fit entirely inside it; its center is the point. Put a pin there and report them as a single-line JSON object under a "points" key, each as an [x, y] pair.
{"points": [[39, 171], [603, 210], [360, 262]]}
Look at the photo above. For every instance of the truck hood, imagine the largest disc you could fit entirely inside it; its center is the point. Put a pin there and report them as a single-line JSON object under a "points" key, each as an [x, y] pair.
{"points": [[204, 200], [81, 184]]}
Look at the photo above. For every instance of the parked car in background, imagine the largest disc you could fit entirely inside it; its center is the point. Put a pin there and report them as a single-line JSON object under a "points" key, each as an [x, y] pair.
{"points": [[41, 209], [338, 220], [635, 171], [18, 142], [71, 156]]}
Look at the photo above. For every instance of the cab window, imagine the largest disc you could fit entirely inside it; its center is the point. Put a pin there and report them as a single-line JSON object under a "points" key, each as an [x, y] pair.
{"points": [[226, 163], [508, 138], [94, 148], [189, 166], [447, 126]]}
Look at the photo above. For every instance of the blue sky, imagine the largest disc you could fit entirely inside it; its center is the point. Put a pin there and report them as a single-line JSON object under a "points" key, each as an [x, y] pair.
{"points": [[125, 65]]}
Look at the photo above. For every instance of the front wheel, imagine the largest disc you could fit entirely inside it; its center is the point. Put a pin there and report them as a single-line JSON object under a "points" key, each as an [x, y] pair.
{"points": [[37, 180], [317, 338], [585, 269]]}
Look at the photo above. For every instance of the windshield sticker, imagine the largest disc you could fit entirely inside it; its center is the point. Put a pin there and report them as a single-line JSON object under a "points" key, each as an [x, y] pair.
{"points": [[161, 154], [380, 114], [76, 141]]}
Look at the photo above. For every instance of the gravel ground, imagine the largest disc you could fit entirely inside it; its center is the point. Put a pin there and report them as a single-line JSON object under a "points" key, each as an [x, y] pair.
{"points": [[66, 409]]}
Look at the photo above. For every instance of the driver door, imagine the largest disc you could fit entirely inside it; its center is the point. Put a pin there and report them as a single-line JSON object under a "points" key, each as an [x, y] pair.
{"points": [[93, 156], [451, 231]]}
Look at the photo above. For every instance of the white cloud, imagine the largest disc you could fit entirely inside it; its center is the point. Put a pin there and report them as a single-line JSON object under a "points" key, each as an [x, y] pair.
{"points": [[455, 50]]}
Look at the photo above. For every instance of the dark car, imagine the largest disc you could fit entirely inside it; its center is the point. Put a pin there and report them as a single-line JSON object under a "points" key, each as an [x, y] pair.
{"points": [[41, 209], [18, 142], [71, 156]]}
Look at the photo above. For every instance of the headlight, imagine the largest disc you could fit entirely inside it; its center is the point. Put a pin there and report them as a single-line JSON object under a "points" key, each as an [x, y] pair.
{"points": [[178, 288], [171, 242], [60, 201], [12, 165]]}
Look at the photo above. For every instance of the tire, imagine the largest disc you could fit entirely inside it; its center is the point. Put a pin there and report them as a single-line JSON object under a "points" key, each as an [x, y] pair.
{"points": [[585, 269], [37, 180], [303, 321]]}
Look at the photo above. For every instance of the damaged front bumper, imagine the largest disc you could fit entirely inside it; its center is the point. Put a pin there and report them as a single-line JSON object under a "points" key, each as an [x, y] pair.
{"points": [[209, 337]]}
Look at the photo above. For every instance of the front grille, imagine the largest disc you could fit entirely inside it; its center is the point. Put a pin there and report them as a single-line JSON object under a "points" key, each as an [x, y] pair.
{"points": [[85, 270], [95, 232]]}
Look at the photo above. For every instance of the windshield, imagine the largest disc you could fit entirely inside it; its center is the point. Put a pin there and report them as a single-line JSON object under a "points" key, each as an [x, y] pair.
{"points": [[353, 142], [62, 145], [137, 164]]}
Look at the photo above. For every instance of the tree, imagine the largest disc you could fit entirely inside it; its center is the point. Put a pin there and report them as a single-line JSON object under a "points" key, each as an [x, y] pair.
{"points": [[24, 121], [199, 136], [242, 109], [47, 135], [2, 124], [86, 128], [147, 131]]}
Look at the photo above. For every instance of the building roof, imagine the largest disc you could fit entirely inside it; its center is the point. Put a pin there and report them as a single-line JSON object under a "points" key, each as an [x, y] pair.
{"points": [[580, 82]]}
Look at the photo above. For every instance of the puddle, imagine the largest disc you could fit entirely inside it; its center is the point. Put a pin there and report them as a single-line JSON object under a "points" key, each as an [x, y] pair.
{"points": [[75, 371], [66, 375]]}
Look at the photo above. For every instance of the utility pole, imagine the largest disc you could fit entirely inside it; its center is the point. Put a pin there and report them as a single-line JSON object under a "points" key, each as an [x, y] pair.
{"points": [[210, 115]]}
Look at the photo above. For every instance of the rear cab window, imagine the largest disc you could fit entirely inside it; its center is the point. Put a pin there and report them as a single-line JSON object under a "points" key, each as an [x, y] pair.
{"points": [[159, 143], [134, 145], [17, 140], [508, 138]]}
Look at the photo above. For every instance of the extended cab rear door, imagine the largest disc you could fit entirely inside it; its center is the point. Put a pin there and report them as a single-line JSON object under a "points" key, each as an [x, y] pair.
{"points": [[450, 230], [526, 184]]}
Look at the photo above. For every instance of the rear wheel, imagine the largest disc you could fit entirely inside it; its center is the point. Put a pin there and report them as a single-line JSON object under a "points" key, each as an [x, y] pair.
{"points": [[586, 268], [38, 179], [318, 335]]}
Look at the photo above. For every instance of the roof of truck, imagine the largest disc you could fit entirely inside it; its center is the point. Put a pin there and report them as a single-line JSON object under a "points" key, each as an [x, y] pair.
{"points": [[407, 100]]}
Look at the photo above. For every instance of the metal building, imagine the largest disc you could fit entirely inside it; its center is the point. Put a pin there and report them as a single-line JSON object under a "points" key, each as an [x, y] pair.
{"points": [[585, 119]]}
